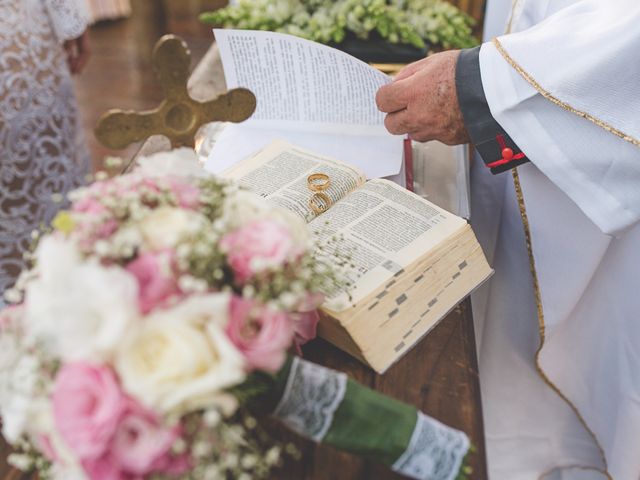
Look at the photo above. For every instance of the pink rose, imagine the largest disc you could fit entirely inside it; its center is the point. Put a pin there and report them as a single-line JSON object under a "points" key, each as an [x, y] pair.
{"points": [[187, 195], [87, 406], [106, 228], [90, 205], [258, 246], [142, 186], [156, 279], [262, 335], [305, 325], [89, 232], [305, 319], [141, 446]]}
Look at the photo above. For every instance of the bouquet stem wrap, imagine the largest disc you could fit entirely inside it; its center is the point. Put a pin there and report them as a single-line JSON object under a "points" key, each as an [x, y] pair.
{"points": [[326, 406]]}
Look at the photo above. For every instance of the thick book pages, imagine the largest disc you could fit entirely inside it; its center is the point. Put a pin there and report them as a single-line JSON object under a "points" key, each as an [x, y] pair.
{"points": [[308, 94], [411, 262]]}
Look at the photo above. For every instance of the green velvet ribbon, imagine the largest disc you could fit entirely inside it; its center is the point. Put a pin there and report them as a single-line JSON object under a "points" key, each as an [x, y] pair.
{"points": [[371, 425]]}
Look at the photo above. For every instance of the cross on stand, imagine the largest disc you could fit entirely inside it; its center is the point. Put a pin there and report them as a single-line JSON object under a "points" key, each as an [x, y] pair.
{"points": [[179, 116]]}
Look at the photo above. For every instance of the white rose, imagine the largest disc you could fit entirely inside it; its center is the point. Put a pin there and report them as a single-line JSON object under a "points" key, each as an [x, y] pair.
{"points": [[166, 226], [80, 311], [55, 256], [180, 360], [182, 162]]}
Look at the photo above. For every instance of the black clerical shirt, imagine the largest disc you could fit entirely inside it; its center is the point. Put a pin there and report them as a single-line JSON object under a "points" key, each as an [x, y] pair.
{"points": [[497, 149]]}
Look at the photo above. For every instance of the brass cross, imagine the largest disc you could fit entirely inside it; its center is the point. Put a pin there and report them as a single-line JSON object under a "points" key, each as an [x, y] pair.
{"points": [[179, 116]]}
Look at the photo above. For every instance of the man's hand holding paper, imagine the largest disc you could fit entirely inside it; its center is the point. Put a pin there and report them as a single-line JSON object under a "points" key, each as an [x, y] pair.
{"points": [[422, 101]]}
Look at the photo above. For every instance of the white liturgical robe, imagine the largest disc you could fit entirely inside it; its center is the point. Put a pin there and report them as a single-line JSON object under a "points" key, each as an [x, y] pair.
{"points": [[558, 326]]}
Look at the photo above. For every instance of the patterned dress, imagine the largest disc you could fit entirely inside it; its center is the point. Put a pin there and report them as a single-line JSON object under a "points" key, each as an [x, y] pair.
{"points": [[41, 149]]}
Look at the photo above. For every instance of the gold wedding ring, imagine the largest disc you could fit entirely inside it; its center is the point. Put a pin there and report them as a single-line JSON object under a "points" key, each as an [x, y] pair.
{"points": [[320, 203], [318, 182]]}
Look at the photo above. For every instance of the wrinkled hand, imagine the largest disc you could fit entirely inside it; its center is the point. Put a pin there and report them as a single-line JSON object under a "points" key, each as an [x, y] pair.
{"points": [[77, 53], [422, 101]]}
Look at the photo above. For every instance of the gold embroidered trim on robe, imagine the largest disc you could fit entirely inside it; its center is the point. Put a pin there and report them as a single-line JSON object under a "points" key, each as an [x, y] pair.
{"points": [[524, 74], [532, 263], [542, 331]]}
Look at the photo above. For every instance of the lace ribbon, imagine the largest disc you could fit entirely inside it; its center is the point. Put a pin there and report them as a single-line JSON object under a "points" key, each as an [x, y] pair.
{"points": [[435, 451], [311, 397]]}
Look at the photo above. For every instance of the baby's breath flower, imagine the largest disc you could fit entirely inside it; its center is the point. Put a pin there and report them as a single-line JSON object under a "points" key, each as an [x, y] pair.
{"points": [[250, 423], [249, 461], [248, 291], [288, 300], [232, 460], [101, 247], [201, 449], [179, 446], [13, 295], [113, 162], [212, 418], [273, 455], [21, 461], [212, 472]]}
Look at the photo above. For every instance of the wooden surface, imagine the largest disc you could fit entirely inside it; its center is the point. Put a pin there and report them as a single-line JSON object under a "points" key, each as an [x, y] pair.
{"points": [[439, 375]]}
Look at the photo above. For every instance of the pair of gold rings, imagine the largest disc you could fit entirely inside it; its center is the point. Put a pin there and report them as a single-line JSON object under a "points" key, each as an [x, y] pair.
{"points": [[320, 201]]}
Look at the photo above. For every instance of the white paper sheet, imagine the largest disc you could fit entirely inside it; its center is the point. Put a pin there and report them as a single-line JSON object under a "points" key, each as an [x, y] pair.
{"points": [[308, 94], [370, 153]]}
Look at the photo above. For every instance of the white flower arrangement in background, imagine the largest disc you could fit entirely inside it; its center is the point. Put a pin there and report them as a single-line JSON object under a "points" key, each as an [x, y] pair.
{"points": [[410, 22]]}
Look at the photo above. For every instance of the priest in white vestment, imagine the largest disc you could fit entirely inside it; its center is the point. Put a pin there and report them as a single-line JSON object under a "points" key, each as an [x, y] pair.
{"points": [[558, 326]]}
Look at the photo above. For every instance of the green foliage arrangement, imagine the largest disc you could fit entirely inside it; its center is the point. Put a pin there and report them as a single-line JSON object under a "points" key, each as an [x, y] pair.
{"points": [[410, 22]]}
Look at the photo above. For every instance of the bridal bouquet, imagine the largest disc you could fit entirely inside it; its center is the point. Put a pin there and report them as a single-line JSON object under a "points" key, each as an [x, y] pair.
{"points": [[159, 312]]}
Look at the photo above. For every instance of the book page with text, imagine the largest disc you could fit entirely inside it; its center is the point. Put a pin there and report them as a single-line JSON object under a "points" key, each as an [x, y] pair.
{"points": [[375, 155], [300, 84], [384, 228], [279, 173]]}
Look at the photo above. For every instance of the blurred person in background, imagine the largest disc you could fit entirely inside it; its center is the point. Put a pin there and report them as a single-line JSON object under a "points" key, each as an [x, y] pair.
{"points": [[42, 152]]}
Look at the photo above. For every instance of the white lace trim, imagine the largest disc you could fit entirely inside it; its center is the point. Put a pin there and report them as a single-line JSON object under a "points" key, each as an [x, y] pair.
{"points": [[435, 451], [311, 397], [69, 18]]}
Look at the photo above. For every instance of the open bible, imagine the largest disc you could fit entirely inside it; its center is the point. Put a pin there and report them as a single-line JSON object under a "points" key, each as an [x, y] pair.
{"points": [[410, 263]]}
